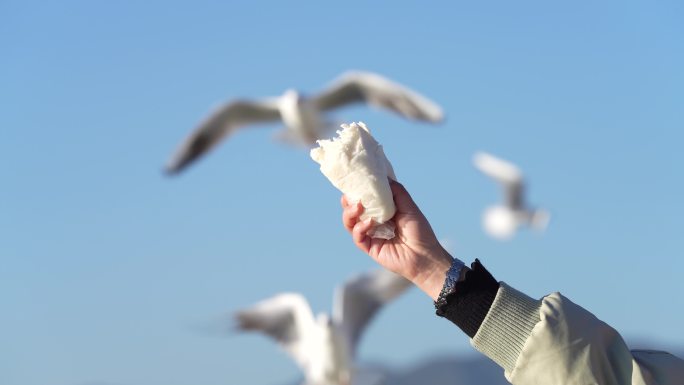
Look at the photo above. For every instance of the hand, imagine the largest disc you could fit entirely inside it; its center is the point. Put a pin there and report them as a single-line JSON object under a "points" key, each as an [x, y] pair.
{"points": [[413, 253]]}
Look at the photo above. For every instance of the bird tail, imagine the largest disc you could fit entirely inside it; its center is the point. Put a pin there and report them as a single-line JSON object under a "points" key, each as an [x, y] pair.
{"points": [[540, 219], [291, 138]]}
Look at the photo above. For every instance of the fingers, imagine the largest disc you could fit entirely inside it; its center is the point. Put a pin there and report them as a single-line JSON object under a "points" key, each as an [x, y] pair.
{"points": [[350, 214], [361, 240], [350, 218]]}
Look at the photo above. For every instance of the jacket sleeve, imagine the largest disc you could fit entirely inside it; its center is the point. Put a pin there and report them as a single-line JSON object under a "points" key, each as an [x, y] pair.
{"points": [[554, 341]]}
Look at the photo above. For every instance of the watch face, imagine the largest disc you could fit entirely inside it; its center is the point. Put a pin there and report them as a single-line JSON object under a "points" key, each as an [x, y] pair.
{"points": [[454, 273]]}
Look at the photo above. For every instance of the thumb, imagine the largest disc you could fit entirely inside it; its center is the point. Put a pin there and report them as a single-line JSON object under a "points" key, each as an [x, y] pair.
{"points": [[402, 199]]}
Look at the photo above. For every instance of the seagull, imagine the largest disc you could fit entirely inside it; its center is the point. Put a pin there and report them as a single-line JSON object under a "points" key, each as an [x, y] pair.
{"points": [[304, 116], [324, 347], [501, 221]]}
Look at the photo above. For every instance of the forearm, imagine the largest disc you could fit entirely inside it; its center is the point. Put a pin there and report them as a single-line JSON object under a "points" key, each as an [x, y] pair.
{"points": [[467, 294], [548, 341]]}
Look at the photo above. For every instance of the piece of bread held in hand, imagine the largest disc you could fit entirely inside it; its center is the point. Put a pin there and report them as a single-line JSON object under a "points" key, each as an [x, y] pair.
{"points": [[355, 163]]}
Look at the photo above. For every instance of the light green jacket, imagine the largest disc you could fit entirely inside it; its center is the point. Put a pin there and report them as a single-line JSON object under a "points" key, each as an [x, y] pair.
{"points": [[554, 341]]}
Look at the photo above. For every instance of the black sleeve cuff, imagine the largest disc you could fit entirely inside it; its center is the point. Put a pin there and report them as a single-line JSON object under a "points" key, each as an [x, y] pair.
{"points": [[471, 299]]}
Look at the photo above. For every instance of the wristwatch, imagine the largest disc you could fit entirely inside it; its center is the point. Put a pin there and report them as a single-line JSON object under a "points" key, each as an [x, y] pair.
{"points": [[453, 275]]}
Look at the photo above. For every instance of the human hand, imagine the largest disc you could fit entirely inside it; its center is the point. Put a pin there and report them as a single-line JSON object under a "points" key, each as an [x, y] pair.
{"points": [[413, 253]]}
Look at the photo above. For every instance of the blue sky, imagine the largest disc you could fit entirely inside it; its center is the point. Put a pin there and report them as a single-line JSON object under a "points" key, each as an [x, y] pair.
{"points": [[107, 264]]}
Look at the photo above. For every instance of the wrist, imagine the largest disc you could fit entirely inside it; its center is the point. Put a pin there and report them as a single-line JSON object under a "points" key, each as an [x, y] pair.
{"points": [[431, 272]]}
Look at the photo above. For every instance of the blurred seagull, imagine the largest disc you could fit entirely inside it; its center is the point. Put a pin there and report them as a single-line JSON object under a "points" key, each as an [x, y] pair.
{"points": [[501, 221], [304, 116], [324, 347]]}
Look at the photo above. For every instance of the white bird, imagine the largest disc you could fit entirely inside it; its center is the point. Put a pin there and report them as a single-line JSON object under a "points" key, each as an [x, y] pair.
{"points": [[502, 221], [303, 116], [325, 347]]}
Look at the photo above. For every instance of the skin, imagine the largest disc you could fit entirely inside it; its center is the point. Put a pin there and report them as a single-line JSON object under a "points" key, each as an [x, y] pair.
{"points": [[413, 253]]}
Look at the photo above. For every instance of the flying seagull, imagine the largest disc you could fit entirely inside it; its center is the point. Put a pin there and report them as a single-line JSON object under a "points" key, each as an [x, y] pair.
{"points": [[304, 116], [501, 221], [324, 347]]}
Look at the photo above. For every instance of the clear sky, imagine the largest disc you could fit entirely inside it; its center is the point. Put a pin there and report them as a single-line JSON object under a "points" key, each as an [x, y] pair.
{"points": [[106, 265]]}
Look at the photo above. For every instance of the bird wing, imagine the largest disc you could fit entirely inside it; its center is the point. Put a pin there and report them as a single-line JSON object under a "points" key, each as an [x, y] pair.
{"points": [[222, 122], [287, 318], [381, 92], [357, 301], [506, 173]]}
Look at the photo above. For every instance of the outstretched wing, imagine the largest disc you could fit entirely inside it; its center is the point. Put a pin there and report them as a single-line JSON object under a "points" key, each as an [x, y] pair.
{"points": [[220, 124], [374, 89], [506, 173], [287, 318], [357, 301]]}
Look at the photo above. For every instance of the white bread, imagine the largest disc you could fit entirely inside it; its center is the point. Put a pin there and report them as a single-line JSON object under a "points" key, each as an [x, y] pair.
{"points": [[355, 163]]}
